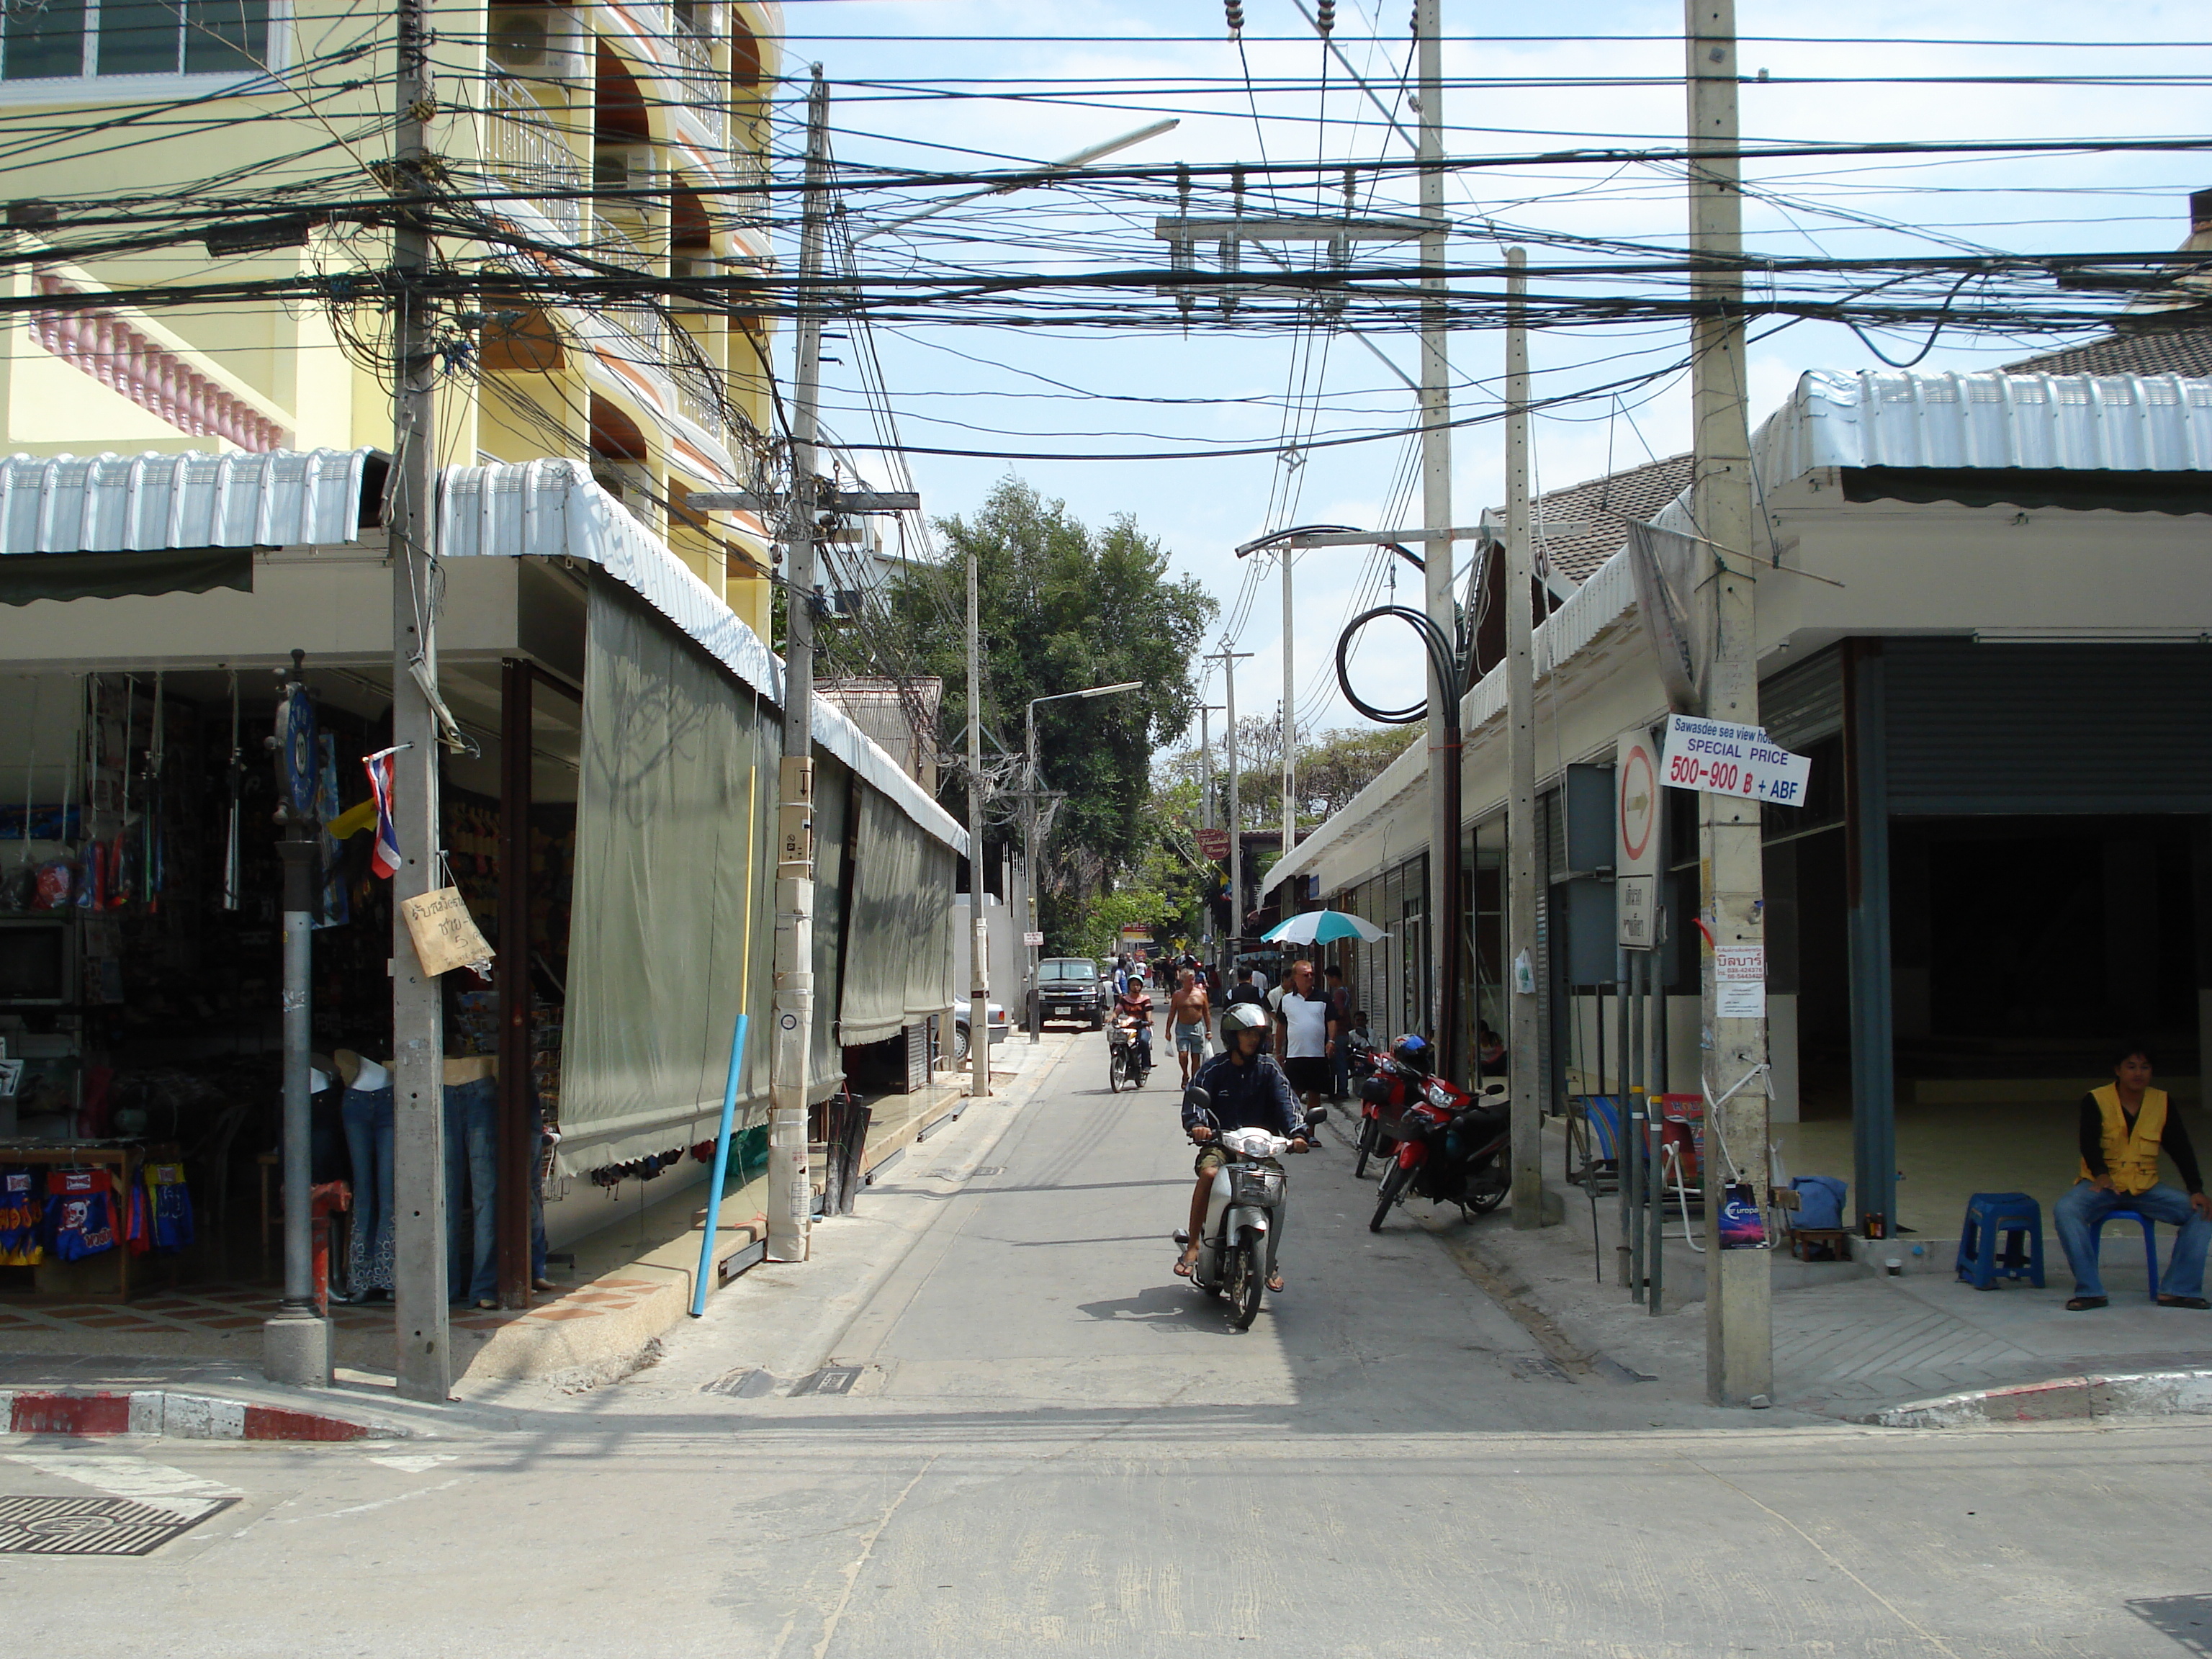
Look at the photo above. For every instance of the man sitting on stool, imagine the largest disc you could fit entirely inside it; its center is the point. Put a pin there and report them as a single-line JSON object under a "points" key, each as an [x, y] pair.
{"points": [[2124, 1126]]}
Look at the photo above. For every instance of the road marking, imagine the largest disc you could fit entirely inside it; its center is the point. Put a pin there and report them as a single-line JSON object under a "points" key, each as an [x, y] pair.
{"points": [[416, 1462], [381, 1503], [155, 1485]]}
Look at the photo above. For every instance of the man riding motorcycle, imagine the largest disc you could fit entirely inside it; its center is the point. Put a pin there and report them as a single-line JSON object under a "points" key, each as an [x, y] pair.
{"points": [[1132, 1012], [1246, 1091]]}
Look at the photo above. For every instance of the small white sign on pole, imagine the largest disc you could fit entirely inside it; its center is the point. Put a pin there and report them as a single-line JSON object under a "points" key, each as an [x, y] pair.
{"points": [[1635, 907], [1739, 982], [1034, 940], [1716, 758]]}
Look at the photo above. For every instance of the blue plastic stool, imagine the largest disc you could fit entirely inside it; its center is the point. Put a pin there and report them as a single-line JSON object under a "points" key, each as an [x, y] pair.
{"points": [[2150, 1241], [2018, 1217]]}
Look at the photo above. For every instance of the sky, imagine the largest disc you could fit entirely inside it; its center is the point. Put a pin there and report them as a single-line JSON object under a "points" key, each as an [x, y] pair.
{"points": [[954, 84]]}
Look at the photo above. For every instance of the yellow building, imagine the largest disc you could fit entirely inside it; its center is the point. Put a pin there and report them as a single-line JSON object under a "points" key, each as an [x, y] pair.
{"points": [[574, 138]]}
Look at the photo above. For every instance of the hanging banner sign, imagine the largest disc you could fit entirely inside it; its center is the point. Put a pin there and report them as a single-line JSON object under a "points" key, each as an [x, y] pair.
{"points": [[1214, 844], [1718, 759]]}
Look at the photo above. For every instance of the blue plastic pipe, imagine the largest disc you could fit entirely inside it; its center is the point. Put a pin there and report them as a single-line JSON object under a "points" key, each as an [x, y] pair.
{"points": [[722, 1170]]}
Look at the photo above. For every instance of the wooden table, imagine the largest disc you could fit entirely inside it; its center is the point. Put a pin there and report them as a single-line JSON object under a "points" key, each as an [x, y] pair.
{"points": [[122, 1157]]}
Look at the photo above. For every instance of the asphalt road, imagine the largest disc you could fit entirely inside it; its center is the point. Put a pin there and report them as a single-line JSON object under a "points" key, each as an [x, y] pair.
{"points": [[1051, 1445]]}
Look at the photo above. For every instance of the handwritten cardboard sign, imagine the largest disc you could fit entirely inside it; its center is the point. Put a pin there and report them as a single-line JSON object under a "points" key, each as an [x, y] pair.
{"points": [[446, 935]]}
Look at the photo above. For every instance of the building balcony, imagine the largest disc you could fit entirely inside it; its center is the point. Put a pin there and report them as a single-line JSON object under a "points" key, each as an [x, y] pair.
{"points": [[525, 149]]}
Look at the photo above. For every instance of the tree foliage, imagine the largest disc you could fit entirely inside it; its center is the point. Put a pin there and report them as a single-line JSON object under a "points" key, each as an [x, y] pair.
{"points": [[1334, 766], [1062, 607]]}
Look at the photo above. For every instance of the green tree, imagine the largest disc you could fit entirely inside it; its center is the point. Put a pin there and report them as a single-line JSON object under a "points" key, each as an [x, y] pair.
{"points": [[1062, 606]]}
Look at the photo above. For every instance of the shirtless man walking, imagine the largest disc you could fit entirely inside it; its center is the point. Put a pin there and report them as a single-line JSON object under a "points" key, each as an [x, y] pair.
{"points": [[1191, 1007]]}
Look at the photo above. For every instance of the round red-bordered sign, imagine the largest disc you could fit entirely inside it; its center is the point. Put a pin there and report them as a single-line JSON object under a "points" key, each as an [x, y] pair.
{"points": [[1637, 771]]}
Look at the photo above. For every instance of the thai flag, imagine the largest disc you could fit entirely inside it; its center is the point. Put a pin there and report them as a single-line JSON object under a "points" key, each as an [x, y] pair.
{"points": [[384, 855]]}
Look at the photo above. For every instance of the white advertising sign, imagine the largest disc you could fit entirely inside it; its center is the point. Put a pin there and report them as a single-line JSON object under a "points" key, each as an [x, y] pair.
{"points": [[1636, 807], [1718, 758], [1635, 907], [1739, 982], [1033, 940]]}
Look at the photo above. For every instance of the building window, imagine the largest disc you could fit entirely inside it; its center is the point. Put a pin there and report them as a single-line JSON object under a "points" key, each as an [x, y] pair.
{"points": [[69, 39]]}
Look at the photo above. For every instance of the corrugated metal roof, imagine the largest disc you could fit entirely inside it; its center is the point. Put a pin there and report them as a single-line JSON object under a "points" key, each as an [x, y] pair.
{"points": [[1900, 417], [143, 503], [554, 509]]}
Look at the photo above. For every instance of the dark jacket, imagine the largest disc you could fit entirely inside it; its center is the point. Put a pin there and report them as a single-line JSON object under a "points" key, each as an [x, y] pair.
{"points": [[1253, 1096]]}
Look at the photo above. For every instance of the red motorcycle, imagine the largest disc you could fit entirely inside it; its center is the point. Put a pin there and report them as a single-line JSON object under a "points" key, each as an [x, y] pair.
{"points": [[1452, 1145], [1384, 1090]]}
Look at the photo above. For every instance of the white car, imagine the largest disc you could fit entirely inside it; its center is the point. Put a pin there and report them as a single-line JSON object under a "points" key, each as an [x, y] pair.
{"points": [[1002, 1029]]}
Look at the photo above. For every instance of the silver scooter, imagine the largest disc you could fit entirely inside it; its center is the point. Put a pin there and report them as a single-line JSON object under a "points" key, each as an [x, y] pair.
{"points": [[1244, 1216]]}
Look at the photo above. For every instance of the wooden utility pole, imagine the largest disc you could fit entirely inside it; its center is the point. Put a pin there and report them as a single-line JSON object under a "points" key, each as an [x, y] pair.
{"points": [[418, 1043], [1739, 1284], [979, 936], [791, 1186]]}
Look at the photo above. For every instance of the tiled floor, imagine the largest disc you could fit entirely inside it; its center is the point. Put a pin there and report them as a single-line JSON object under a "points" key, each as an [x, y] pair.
{"points": [[221, 1308]]}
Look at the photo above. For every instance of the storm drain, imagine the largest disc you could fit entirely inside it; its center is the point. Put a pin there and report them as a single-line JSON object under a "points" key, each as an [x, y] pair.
{"points": [[746, 1383], [96, 1526], [831, 1379]]}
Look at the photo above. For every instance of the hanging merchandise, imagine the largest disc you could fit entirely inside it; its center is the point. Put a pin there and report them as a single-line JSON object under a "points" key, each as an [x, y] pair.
{"points": [[297, 752], [173, 1207], [80, 1213], [22, 1219], [335, 911], [137, 1231]]}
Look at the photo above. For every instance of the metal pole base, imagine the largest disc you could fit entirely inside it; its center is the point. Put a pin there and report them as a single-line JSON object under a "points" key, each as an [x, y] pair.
{"points": [[295, 1348]]}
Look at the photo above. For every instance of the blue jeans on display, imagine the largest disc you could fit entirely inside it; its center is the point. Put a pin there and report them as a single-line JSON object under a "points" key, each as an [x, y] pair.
{"points": [[472, 1179], [368, 1116], [2084, 1206]]}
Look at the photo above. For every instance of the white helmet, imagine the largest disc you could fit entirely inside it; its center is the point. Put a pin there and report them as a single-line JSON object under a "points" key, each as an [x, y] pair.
{"points": [[1242, 1017]]}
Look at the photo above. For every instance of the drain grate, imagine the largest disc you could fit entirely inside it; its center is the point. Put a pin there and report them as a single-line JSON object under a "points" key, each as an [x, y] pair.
{"points": [[831, 1379], [97, 1526], [1537, 1368]]}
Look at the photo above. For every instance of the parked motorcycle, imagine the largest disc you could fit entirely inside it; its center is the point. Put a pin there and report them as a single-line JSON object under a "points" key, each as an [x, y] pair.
{"points": [[1383, 1090], [1452, 1145], [1236, 1251]]}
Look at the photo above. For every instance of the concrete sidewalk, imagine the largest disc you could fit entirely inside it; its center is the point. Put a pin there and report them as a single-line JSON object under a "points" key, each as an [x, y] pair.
{"points": [[1851, 1341]]}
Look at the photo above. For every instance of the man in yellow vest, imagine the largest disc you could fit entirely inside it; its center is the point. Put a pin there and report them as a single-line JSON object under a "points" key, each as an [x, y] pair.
{"points": [[2125, 1125]]}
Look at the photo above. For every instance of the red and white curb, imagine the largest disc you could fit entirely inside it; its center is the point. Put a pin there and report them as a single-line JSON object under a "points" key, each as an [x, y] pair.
{"points": [[177, 1416], [2063, 1398]]}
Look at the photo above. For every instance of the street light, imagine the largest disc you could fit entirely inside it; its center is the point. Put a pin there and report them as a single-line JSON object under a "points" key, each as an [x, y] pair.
{"points": [[1029, 841]]}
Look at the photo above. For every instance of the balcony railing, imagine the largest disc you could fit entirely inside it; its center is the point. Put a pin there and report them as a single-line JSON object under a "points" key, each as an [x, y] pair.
{"points": [[525, 150], [697, 398], [704, 93], [616, 243]]}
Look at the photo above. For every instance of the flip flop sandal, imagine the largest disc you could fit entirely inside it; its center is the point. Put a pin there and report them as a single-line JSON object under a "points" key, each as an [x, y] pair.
{"points": [[1184, 1266], [1275, 1286], [2085, 1303], [2196, 1302]]}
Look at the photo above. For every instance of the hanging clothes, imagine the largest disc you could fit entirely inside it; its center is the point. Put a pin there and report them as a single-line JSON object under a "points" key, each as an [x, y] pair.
{"points": [[81, 1213], [173, 1207], [22, 1219]]}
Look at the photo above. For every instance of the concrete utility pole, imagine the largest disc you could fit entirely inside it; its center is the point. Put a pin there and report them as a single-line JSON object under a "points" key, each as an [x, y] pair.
{"points": [[1436, 502], [1229, 657], [979, 938], [791, 1186], [1523, 1035], [1206, 763], [1290, 728], [1739, 1284], [418, 1039]]}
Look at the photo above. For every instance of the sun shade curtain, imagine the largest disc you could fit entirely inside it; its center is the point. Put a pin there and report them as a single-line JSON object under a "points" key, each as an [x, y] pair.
{"points": [[673, 750], [833, 788], [900, 970]]}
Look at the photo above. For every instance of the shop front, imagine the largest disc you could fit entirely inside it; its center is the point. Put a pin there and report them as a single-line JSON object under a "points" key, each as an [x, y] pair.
{"points": [[606, 809]]}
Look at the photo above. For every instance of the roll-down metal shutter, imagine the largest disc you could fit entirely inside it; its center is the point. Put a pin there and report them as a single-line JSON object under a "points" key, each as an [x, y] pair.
{"points": [[2047, 728]]}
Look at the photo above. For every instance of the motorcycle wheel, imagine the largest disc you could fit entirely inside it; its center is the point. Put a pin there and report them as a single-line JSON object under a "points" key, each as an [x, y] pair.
{"points": [[1249, 1278], [1481, 1200], [1393, 1183], [1113, 1071], [1370, 1134]]}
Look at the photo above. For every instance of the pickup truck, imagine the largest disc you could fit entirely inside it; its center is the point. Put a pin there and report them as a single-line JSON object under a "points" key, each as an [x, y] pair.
{"points": [[1068, 987]]}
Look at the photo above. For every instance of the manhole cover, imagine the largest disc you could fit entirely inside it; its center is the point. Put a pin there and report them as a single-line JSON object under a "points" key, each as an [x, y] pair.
{"points": [[992, 1168], [96, 1526], [746, 1383], [831, 1379]]}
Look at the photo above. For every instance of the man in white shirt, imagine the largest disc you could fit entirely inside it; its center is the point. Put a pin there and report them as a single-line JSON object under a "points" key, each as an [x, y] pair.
{"points": [[1306, 1030]]}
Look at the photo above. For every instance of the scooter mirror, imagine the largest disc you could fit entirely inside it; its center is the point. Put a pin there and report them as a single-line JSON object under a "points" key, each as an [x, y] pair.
{"points": [[1317, 1114]]}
